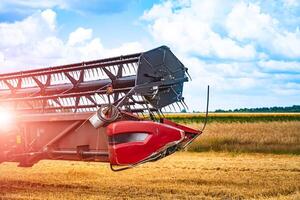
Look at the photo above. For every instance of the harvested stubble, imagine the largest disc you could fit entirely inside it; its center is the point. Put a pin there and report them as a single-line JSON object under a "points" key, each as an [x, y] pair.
{"points": [[185, 175], [180, 176]]}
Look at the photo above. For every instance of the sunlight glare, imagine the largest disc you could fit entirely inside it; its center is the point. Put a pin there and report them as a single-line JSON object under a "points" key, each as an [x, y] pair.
{"points": [[6, 119]]}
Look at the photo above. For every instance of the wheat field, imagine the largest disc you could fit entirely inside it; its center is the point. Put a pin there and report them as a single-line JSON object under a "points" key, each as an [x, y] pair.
{"points": [[240, 158], [180, 176], [264, 137]]}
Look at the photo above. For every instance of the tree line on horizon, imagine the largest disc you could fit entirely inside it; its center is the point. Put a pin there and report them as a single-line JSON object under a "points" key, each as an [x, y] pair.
{"points": [[294, 108]]}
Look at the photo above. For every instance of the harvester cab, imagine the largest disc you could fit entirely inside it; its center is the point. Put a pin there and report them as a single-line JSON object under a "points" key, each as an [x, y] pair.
{"points": [[108, 110]]}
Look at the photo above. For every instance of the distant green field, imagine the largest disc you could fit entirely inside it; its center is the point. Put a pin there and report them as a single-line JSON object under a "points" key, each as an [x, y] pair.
{"points": [[188, 118], [245, 132]]}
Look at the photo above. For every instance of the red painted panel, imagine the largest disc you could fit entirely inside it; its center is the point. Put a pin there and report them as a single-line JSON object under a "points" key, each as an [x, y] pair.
{"points": [[128, 144]]}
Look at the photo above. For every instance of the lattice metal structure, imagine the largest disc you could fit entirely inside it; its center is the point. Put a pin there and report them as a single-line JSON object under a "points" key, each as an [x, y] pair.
{"points": [[73, 111], [82, 87]]}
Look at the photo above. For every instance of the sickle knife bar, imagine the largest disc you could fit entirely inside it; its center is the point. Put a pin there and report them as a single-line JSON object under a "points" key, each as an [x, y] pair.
{"points": [[108, 110]]}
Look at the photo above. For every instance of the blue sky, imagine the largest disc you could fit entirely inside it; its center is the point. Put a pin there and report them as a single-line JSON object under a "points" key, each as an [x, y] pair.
{"points": [[248, 51]]}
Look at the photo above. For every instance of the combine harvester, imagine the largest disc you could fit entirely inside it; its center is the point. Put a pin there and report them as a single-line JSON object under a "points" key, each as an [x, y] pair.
{"points": [[108, 110]]}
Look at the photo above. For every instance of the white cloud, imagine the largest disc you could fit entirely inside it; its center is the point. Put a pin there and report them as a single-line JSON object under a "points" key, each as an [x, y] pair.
{"points": [[291, 3], [126, 48], [159, 11], [34, 42], [80, 35], [190, 30], [200, 27], [287, 44], [288, 88], [248, 22], [28, 30], [273, 65], [50, 17], [224, 78], [231, 46]]}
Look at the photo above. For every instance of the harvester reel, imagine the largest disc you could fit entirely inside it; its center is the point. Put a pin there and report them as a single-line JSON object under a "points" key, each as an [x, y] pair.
{"points": [[107, 110]]}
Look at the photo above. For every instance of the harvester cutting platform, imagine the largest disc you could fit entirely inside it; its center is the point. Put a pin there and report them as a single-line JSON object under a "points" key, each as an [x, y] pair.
{"points": [[108, 110]]}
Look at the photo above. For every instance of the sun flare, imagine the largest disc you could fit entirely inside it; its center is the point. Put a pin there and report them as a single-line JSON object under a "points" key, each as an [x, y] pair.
{"points": [[6, 119]]}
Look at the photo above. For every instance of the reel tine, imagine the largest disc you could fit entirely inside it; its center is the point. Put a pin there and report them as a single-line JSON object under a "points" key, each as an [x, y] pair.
{"points": [[102, 72], [183, 102], [170, 108], [173, 107], [187, 72], [93, 73], [180, 109], [129, 69], [164, 109], [183, 105], [60, 76], [97, 72], [134, 68], [124, 68], [87, 74]]}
